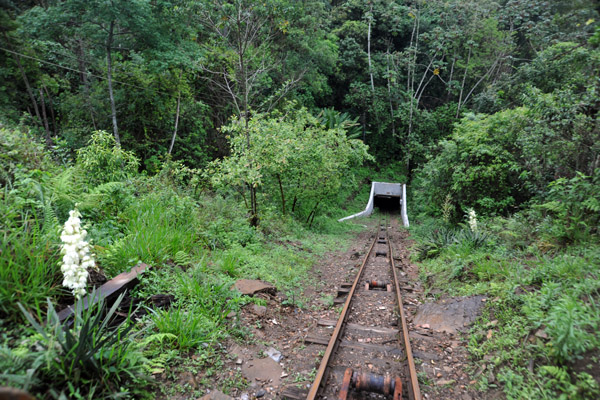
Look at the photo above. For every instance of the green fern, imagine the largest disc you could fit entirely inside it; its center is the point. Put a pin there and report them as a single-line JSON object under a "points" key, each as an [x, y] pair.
{"points": [[558, 373], [182, 258]]}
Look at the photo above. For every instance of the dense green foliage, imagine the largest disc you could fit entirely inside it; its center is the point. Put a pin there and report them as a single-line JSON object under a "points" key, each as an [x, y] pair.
{"points": [[188, 133], [537, 337], [198, 243], [291, 156]]}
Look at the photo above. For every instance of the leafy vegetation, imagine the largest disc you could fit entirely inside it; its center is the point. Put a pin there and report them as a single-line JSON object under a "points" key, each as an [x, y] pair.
{"points": [[90, 359], [197, 243], [542, 316]]}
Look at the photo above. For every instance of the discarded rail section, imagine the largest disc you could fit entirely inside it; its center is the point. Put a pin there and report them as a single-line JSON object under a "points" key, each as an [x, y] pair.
{"points": [[369, 350]]}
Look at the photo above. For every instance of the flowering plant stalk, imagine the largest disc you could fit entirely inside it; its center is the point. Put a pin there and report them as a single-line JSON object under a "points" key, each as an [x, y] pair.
{"points": [[472, 219], [76, 255]]}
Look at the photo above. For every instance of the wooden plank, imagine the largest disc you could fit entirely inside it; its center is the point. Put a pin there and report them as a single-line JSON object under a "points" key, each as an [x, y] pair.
{"points": [[112, 288], [426, 356], [343, 291], [372, 329], [326, 322], [371, 347], [310, 338], [322, 340], [360, 328], [418, 335], [294, 393]]}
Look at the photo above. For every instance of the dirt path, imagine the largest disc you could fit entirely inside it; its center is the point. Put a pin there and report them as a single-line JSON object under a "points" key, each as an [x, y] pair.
{"points": [[278, 357]]}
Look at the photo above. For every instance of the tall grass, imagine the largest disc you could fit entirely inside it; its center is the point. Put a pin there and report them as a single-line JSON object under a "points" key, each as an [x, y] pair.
{"points": [[156, 230], [29, 266]]}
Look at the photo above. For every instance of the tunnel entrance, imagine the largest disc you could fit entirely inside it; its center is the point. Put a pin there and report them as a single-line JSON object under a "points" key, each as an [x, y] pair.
{"points": [[388, 197], [389, 204]]}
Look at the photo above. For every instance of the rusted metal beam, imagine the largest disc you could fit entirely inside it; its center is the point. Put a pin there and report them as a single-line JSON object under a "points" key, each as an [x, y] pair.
{"points": [[336, 332], [112, 288], [346, 382]]}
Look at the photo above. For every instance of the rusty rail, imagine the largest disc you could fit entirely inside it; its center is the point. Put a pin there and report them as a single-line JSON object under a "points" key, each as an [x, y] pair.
{"points": [[338, 328], [414, 392]]}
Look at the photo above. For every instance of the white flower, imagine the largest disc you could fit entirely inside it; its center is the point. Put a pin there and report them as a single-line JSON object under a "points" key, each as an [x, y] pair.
{"points": [[472, 220], [76, 255]]}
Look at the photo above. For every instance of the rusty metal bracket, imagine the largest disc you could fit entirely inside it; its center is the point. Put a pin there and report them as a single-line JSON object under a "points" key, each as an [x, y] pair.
{"points": [[367, 382], [346, 384]]}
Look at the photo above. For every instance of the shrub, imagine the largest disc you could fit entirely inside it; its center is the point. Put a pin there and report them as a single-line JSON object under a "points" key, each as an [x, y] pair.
{"points": [[19, 150], [478, 167], [103, 161], [571, 324], [574, 205]]}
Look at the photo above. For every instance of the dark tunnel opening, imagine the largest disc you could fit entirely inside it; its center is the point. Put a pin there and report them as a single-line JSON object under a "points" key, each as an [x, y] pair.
{"points": [[388, 204]]}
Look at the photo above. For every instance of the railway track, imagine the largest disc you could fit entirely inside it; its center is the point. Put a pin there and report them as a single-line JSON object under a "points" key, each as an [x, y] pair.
{"points": [[368, 354]]}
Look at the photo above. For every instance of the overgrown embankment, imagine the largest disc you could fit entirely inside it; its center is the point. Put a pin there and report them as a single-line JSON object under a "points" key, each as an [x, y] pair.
{"points": [[538, 336], [197, 242]]}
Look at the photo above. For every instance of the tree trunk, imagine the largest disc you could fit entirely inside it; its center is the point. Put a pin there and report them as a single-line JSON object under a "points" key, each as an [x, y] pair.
{"points": [[449, 91], [411, 89], [25, 80], [281, 193], [113, 109], [370, 17], [45, 119], [311, 215], [176, 122], [243, 79], [84, 80], [52, 115], [389, 87], [462, 86]]}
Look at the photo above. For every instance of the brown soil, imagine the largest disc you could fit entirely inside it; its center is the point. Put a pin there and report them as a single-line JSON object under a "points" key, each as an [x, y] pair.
{"points": [[441, 358]]}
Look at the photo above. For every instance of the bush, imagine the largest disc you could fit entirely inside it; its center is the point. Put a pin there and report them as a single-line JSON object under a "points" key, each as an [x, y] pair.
{"points": [[103, 161], [574, 207], [478, 167], [19, 150]]}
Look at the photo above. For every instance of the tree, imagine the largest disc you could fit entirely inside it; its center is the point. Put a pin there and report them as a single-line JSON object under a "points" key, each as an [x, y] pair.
{"points": [[241, 35], [293, 156]]}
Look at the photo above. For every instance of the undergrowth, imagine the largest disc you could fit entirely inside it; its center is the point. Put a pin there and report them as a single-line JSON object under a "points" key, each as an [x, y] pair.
{"points": [[197, 242], [542, 317]]}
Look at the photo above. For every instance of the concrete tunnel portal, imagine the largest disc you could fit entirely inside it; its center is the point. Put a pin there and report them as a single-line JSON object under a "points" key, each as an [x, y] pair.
{"points": [[387, 197]]}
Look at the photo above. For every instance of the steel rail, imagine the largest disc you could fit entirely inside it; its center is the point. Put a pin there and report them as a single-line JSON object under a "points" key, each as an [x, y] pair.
{"points": [[414, 392], [338, 328]]}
